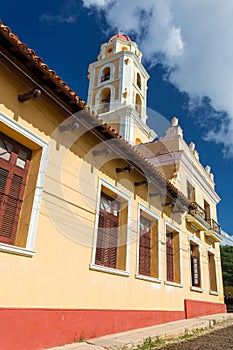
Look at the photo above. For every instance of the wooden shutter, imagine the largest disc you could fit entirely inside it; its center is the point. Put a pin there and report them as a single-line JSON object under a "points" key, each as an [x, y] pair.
{"points": [[169, 256], [145, 247], [14, 165], [212, 272], [107, 238], [100, 241]]}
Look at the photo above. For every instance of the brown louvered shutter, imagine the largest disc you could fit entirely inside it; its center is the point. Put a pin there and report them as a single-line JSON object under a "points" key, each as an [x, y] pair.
{"points": [[107, 236], [169, 256], [107, 240], [110, 244], [14, 165], [100, 241], [145, 247]]}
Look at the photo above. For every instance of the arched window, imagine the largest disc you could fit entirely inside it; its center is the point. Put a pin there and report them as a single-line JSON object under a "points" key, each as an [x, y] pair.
{"points": [[124, 48], [139, 81], [105, 74], [138, 104], [104, 101]]}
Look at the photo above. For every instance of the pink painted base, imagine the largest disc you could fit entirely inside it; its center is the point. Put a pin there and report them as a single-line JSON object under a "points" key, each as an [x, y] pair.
{"points": [[37, 329], [195, 308]]}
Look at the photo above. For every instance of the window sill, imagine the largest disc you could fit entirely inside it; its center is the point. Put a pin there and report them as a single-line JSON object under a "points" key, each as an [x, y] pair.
{"points": [[109, 270], [11, 249], [197, 289], [212, 292], [174, 284], [148, 278]]}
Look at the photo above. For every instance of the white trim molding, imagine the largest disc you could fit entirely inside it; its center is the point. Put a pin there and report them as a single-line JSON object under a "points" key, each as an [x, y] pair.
{"points": [[156, 217], [112, 97], [111, 71], [180, 284], [93, 266], [197, 289], [109, 270], [28, 134], [148, 278], [188, 163], [174, 284]]}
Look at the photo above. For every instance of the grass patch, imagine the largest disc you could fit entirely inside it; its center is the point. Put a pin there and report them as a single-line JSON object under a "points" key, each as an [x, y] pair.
{"points": [[149, 344]]}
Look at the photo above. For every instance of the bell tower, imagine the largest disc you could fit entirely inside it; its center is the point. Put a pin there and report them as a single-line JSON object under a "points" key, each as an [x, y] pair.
{"points": [[118, 89]]}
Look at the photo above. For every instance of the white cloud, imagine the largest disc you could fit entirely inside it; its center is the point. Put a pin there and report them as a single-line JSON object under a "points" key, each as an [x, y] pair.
{"points": [[89, 3], [193, 36], [227, 240], [68, 14]]}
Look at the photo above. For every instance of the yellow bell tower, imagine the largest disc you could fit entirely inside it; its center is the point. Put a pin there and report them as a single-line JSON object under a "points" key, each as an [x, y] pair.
{"points": [[118, 89]]}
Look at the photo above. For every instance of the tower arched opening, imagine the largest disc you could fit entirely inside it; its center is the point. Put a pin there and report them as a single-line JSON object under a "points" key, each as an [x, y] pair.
{"points": [[139, 81], [104, 101], [138, 104], [105, 74]]}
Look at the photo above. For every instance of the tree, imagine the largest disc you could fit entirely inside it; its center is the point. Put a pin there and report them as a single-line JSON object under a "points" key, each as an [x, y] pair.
{"points": [[227, 264]]}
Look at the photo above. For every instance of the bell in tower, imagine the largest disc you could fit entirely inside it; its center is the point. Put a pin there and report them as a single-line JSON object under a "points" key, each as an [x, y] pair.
{"points": [[118, 89]]}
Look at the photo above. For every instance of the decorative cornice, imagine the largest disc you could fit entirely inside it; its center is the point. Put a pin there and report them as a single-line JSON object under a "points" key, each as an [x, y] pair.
{"points": [[185, 160], [130, 112]]}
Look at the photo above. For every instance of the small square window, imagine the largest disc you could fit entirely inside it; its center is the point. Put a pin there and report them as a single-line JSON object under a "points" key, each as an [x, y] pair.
{"points": [[5, 149]]}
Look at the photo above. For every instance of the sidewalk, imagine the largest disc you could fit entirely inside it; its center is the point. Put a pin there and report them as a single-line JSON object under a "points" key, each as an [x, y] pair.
{"points": [[130, 339]]}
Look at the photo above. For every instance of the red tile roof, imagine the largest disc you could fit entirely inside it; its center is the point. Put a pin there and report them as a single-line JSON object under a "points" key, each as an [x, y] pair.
{"points": [[120, 36]]}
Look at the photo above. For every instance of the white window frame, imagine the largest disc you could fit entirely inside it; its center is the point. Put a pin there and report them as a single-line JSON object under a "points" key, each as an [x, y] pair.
{"points": [[112, 71], [153, 215], [29, 249], [109, 86], [93, 266], [175, 284]]}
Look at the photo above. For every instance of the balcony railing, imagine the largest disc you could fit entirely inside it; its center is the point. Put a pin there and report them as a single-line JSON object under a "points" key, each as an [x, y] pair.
{"points": [[104, 108], [214, 226], [200, 216], [105, 77], [197, 211]]}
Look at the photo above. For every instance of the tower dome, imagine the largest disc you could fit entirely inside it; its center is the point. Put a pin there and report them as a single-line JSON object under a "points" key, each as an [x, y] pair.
{"points": [[121, 36]]}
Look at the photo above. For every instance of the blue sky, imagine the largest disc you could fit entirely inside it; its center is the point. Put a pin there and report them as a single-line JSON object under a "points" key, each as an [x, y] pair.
{"points": [[187, 52]]}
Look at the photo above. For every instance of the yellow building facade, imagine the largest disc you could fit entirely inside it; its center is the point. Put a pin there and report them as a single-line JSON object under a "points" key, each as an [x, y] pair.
{"points": [[97, 235]]}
